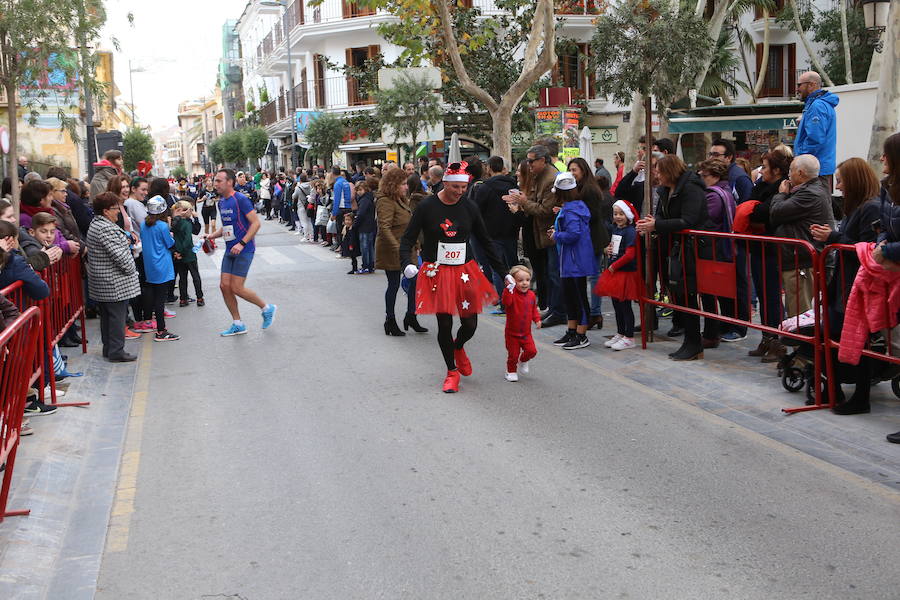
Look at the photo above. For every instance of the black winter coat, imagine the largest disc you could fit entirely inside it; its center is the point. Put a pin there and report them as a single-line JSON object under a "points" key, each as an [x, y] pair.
{"points": [[501, 224]]}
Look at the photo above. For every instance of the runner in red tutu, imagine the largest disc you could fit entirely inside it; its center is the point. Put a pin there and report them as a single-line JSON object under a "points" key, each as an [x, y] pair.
{"points": [[450, 282], [621, 281]]}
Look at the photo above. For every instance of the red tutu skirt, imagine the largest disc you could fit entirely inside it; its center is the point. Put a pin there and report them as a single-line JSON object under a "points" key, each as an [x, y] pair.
{"points": [[453, 289], [621, 285]]}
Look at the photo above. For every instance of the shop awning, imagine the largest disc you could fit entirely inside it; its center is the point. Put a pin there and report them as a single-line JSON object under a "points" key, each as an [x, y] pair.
{"points": [[746, 117], [755, 123]]}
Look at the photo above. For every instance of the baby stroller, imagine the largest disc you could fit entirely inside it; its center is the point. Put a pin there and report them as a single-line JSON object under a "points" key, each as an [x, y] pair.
{"points": [[797, 368]]}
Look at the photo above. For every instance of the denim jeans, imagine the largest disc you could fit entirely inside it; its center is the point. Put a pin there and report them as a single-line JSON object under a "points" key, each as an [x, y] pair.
{"points": [[556, 304], [507, 250], [367, 249], [597, 301]]}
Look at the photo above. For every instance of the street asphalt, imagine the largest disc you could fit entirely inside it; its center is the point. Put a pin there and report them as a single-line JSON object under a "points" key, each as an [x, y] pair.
{"points": [[319, 460]]}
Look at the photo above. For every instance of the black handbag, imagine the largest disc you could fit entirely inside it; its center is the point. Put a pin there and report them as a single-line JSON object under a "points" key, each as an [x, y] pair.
{"points": [[676, 266]]}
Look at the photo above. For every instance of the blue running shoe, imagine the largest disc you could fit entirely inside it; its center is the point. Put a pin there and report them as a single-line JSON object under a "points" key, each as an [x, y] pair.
{"points": [[234, 330], [268, 315]]}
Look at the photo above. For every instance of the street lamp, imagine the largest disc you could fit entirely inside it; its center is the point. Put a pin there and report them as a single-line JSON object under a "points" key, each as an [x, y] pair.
{"points": [[131, 85], [875, 13], [290, 100]]}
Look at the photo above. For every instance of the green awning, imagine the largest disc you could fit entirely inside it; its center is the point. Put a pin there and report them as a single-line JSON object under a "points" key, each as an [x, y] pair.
{"points": [[736, 123]]}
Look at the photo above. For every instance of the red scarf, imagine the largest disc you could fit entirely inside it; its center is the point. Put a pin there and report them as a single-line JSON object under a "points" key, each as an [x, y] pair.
{"points": [[33, 210]]}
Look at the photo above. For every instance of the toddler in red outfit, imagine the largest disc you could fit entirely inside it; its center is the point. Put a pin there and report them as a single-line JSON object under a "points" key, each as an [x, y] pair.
{"points": [[521, 309]]}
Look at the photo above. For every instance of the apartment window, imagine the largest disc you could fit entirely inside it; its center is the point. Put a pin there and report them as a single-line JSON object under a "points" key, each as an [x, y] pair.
{"points": [[781, 71], [357, 57], [353, 9], [319, 66], [779, 6], [571, 70]]}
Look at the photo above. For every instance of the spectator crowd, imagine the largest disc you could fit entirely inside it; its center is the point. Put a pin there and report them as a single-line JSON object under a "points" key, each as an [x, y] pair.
{"points": [[574, 232]]}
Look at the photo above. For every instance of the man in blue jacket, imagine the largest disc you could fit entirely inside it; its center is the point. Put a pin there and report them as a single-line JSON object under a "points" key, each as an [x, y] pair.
{"points": [[343, 202], [817, 132]]}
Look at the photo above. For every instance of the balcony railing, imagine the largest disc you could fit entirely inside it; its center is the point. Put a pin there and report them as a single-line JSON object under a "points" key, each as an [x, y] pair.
{"points": [[562, 7], [296, 14], [328, 93], [779, 83]]}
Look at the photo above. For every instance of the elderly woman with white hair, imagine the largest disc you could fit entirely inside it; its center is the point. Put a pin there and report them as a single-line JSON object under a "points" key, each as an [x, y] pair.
{"points": [[803, 200]]}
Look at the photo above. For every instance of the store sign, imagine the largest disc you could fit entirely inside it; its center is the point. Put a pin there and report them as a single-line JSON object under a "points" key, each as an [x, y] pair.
{"points": [[789, 123], [548, 122], [558, 123], [605, 135]]}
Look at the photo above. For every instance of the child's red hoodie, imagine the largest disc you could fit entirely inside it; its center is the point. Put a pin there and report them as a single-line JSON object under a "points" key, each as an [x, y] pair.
{"points": [[521, 310]]}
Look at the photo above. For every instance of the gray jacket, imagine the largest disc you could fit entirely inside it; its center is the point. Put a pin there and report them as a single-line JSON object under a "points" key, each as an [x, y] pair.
{"points": [[791, 214]]}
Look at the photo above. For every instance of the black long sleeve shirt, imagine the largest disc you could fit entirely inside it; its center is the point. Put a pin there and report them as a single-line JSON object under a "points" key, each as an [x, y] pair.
{"points": [[448, 223]]}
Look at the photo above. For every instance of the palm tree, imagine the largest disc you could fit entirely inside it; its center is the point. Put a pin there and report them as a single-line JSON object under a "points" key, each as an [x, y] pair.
{"points": [[724, 62]]}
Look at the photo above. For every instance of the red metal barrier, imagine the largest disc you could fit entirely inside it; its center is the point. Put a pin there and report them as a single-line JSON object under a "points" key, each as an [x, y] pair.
{"points": [[18, 346], [717, 296], [839, 286], [59, 312]]}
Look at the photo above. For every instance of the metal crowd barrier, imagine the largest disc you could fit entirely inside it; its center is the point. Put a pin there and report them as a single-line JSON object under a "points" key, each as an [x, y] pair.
{"points": [[59, 312], [18, 346], [714, 265]]}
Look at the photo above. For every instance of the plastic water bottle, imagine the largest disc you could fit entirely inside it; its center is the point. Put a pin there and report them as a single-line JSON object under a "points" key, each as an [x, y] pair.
{"points": [[197, 246]]}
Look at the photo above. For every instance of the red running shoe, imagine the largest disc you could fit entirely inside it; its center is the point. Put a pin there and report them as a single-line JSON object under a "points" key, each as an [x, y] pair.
{"points": [[462, 362], [451, 382]]}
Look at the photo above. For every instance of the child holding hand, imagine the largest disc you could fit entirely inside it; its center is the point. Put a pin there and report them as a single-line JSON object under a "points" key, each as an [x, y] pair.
{"points": [[621, 281], [521, 309]]}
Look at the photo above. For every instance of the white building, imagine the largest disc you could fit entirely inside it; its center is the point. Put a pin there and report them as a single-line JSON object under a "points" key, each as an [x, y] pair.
{"points": [[345, 34]]}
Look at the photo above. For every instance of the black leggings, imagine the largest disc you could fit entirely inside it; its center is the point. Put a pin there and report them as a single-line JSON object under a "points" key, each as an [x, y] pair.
{"points": [[467, 327], [390, 294], [155, 302], [576, 299], [624, 317]]}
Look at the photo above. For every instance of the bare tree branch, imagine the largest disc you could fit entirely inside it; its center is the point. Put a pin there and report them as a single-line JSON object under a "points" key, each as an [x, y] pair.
{"points": [[453, 50]]}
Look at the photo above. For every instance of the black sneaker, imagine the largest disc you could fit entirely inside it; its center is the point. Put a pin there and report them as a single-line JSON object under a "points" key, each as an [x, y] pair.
{"points": [[36, 408], [165, 336], [577, 341], [200, 302], [564, 339]]}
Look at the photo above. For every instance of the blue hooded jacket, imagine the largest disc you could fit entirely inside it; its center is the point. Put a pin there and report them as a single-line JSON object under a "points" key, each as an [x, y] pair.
{"points": [[890, 226], [817, 132], [573, 241]]}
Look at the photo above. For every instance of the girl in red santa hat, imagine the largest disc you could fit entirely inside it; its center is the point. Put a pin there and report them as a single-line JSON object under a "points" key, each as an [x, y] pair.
{"points": [[621, 281], [452, 284]]}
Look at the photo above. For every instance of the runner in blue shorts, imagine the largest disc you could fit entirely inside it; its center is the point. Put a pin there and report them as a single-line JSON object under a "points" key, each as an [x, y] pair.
{"points": [[239, 226]]}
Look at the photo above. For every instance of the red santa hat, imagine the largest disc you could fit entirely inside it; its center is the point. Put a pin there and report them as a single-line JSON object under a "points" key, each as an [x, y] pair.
{"points": [[628, 208], [457, 172]]}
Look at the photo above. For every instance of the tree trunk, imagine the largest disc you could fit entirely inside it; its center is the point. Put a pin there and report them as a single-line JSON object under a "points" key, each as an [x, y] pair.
{"points": [[764, 62], [886, 121], [13, 157], [535, 65], [750, 81], [845, 38], [501, 132], [875, 64], [715, 29], [812, 55], [636, 130]]}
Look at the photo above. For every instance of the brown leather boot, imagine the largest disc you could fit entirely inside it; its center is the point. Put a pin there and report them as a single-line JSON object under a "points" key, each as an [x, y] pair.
{"points": [[763, 347], [775, 352]]}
